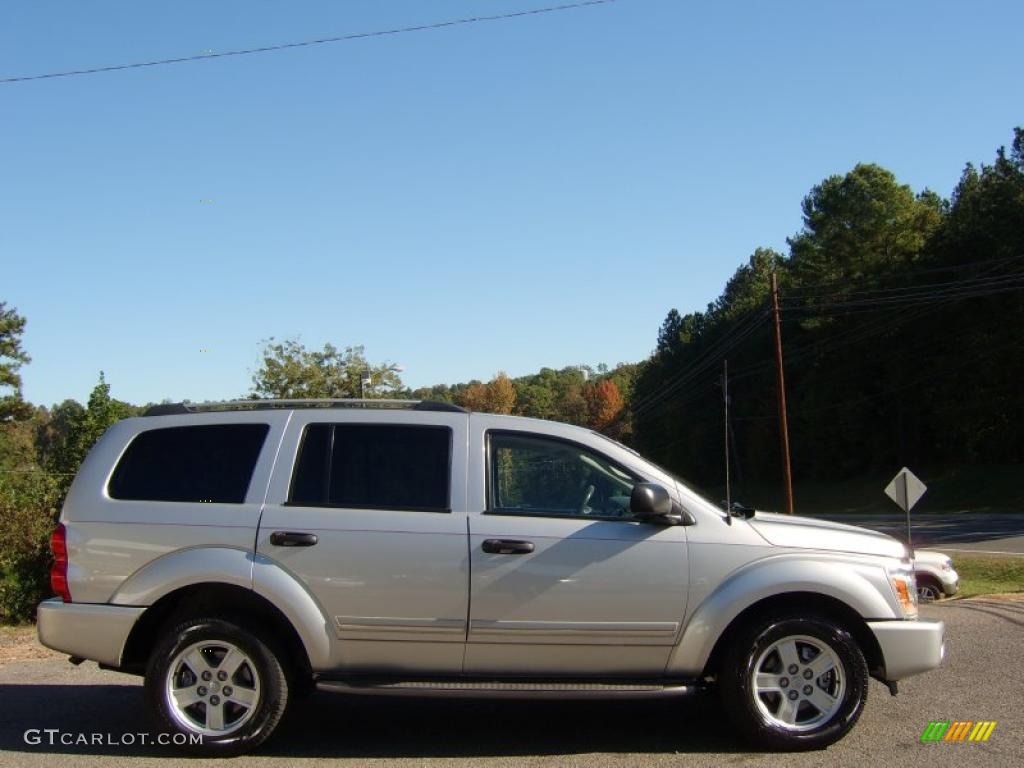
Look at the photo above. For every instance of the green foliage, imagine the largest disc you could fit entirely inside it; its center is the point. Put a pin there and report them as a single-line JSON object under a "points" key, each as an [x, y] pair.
{"points": [[289, 370], [29, 505], [861, 223], [12, 356], [69, 435]]}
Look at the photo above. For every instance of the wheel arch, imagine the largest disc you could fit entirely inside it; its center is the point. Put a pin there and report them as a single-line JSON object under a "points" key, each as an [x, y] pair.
{"points": [[804, 604], [187, 572], [250, 610]]}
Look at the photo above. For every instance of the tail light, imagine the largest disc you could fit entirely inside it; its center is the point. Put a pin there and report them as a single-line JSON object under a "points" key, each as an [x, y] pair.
{"points": [[59, 569]]}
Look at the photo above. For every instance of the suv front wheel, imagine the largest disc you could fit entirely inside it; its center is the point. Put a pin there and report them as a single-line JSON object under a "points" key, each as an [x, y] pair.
{"points": [[794, 683], [215, 687]]}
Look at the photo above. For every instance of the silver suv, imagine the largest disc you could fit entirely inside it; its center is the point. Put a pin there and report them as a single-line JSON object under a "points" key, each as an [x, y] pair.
{"points": [[238, 554]]}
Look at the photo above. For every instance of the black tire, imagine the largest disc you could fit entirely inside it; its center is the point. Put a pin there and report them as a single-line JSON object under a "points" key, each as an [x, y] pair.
{"points": [[261, 676], [756, 721], [928, 584]]}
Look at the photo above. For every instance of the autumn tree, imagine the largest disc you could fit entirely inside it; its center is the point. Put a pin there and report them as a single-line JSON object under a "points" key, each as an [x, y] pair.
{"points": [[501, 395], [604, 403], [474, 396], [496, 396]]}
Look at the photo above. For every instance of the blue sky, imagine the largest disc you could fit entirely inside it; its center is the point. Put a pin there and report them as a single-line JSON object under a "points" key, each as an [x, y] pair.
{"points": [[497, 196]]}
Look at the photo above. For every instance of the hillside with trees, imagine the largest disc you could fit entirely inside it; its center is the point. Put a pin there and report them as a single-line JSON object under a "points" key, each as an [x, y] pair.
{"points": [[901, 322]]}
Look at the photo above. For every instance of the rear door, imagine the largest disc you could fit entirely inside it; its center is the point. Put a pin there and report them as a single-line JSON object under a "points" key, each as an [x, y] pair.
{"points": [[368, 510]]}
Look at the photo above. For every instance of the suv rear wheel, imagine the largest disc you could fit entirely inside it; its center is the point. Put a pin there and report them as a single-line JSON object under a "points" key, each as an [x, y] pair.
{"points": [[794, 683], [216, 687]]}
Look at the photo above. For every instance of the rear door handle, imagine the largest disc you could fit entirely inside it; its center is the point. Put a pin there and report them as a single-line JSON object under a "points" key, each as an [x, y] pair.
{"points": [[293, 539], [507, 547]]}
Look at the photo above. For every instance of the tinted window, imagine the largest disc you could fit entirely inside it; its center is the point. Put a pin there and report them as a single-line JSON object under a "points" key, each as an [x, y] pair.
{"points": [[539, 476], [374, 466], [209, 463]]}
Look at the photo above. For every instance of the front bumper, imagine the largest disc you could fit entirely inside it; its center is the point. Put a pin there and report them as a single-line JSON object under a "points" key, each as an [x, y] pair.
{"points": [[91, 631], [950, 582], [909, 647]]}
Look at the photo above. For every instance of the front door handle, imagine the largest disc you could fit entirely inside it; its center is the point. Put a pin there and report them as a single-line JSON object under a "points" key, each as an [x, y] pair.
{"points": [[292, 539], [507, 547]]}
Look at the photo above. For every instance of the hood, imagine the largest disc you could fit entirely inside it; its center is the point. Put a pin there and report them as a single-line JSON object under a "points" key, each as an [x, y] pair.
{"points": [[809, 533], [930, 557]]}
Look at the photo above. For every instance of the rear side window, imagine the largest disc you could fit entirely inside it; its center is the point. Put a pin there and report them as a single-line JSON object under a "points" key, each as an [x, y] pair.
{"points": [[374, 466], [204, 463]]}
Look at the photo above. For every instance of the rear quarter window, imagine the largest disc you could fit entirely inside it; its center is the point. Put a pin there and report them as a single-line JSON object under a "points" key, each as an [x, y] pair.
{"points": [[209, 463]]}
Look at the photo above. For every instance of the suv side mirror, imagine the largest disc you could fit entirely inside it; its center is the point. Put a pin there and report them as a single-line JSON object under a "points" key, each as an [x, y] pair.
{"points": [[650, 502]]}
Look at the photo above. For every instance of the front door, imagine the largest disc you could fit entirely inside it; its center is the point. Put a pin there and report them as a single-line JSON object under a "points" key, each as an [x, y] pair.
{"points": [[372, 520], [563, 581]]}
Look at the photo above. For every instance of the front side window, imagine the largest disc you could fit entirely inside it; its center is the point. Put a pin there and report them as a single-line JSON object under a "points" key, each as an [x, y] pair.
{"points": [[532, 475], [210, 463], [374, 466]]}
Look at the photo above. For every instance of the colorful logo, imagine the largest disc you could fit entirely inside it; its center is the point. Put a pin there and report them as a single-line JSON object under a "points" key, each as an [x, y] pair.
{"points": [[958, 730]]}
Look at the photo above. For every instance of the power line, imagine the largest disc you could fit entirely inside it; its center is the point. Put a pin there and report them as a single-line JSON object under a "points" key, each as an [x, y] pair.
{"points": [[707, 359], [963, 363], [940, 293], [802, 290], [890, 320], [687, 385], [305, 43]]}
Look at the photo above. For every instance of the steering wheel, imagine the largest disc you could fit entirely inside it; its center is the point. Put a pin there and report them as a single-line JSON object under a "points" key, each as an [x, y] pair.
{"points": [[586, 498]]}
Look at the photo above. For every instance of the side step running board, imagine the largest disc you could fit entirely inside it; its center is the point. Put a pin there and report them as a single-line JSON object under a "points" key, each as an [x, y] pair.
{"points": [[506, 689]]}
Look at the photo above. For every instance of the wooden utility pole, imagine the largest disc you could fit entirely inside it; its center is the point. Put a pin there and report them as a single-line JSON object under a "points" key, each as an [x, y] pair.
{"points": [[787, 471], [725, 398]]}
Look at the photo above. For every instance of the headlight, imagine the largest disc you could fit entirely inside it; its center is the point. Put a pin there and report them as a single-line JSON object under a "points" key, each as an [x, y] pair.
{"points": [[948, 565], [904, 586]]}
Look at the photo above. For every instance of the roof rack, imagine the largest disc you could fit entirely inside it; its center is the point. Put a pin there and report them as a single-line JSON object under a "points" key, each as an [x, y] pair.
{"points": [[169, 409]]}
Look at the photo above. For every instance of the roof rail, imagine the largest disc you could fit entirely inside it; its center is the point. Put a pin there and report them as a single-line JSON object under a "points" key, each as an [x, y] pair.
{"points": [[169, 409]]}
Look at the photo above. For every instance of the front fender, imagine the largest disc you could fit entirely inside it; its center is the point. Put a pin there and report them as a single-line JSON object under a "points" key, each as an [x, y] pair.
{"points": [[864, 587], [240, 568]]}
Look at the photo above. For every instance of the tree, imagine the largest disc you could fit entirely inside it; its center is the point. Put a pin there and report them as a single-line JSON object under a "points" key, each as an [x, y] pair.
{"points": [[12, 357], [604, 403], [73, 430], [501, 395], [56, 437], [496, 396], [474, 396], [861, 222], [289, 370]]}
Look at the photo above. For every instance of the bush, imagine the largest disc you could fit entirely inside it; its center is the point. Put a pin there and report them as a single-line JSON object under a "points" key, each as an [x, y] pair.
{"points": [[29, 506]]}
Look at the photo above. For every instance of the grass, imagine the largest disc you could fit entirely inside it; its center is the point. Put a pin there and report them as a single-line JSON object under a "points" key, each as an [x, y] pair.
{"points": [[986, 575]]}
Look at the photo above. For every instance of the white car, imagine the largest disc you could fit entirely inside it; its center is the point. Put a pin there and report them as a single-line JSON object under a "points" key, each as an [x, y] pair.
{"points": [[935, 575]]}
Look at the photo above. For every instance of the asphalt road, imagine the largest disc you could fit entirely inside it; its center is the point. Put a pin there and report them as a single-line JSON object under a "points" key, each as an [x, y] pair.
{"points": [[983, 679], [998, 533]]}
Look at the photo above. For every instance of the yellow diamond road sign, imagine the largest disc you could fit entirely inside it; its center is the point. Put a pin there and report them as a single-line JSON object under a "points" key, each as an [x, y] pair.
{"points": [[905, 489]]}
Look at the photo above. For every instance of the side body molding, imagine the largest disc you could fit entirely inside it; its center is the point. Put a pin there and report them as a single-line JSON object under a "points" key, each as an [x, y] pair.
{"points": [[863, 587], [240, 568]]}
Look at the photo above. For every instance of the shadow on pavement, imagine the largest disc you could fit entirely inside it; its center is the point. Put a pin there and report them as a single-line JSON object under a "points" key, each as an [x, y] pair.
{"points": [[330, 725]]}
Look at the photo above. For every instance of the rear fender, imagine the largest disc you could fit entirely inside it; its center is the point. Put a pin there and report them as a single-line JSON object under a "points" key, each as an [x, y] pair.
{"points": [[238, 567]]}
